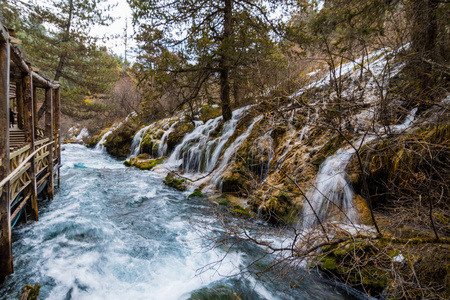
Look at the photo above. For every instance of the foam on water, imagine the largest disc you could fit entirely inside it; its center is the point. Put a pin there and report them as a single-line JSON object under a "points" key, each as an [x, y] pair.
{"points": [[118, 233]]}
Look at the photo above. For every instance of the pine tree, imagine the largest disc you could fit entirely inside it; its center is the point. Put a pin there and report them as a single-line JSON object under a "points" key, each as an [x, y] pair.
{"points": [[195, 45]]}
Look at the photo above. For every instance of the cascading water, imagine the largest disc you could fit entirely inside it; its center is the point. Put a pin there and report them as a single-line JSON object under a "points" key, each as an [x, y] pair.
{"points": [[200, 150], [117, 233], [162, 147], [100, 145], [332, 191], [135, 148], [262, 153], [219, 172]]}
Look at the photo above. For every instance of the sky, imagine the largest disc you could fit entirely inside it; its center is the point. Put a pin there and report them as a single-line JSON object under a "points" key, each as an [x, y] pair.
{"points": [[122, 13]]}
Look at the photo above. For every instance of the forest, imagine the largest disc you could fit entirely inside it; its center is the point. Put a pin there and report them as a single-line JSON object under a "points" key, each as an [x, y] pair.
{"points": [[324, 124]]}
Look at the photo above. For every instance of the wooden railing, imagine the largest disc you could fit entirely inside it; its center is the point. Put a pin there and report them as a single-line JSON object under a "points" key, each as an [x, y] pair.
{"points": [[19, 178]]}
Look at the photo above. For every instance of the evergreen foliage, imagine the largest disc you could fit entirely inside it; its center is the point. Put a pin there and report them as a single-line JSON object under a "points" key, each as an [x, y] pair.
{"points": [[200, 50]]}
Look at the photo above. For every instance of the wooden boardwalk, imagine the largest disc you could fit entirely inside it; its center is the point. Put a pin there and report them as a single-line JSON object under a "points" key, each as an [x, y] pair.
{"points": [[30, 156]]}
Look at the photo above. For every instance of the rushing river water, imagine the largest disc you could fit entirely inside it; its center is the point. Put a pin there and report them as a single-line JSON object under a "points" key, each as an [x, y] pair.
{"points": [[117, 233]]}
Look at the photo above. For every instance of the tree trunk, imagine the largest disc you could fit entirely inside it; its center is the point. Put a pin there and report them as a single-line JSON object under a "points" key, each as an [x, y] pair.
{"points": [[66, 38], [224, 64]]}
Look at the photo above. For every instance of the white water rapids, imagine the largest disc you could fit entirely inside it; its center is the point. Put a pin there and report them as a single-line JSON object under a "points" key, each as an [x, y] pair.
{"points": [[117, 233]]}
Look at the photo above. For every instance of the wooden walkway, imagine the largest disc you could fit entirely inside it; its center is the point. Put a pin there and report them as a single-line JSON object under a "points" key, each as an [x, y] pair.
{"points": [[30, 157]]}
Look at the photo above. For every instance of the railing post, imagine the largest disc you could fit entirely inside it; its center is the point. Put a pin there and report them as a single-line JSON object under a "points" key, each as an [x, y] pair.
{"points": [[57, 128], [49, 134], [19, 102], [35, 110], [29, 139], [6, 258]]}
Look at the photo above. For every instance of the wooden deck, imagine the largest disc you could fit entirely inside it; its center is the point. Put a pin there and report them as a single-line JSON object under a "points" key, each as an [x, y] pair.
{"points": [[30, 157]]}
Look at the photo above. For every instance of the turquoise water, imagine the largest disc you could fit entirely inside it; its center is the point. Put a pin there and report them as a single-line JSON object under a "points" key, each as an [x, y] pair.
{"points": [[118, 233]]}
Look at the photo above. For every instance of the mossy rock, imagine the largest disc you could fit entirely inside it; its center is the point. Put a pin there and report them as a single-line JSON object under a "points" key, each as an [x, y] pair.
{"points": [[278, 134], [159, 134], [241, 212], [333, 145], [197, 194], [220, 292], [280, 209], [144, 164], [173, 180], [236, 183], [147, 144], [119, 142], [209, 112], [30, 292], [362, 209], [178, 133]]}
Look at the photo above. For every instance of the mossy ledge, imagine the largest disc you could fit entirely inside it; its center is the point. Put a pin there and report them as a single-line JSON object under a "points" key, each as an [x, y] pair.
{"points": [[174, 180], [143, 163]]}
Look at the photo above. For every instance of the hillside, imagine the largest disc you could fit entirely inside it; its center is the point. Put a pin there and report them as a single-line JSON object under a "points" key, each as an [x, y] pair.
{"points": [[360, 168]]}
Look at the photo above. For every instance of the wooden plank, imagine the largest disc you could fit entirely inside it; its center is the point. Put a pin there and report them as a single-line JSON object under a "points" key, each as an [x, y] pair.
{"points": [[35, 111], [6, 258], [29, 139], [43, 178], [19, 208], [49, 133], [8, 178], [20, 151], [42, 156], [25, 185], [20, 173], [15, 41]]}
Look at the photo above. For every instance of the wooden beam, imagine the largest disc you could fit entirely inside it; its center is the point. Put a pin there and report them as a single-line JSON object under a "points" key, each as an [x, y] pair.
{"points": [[58, 126], [38, 79], [35, 110], [4, 36], [6, 258], [15, 41], [49, 133], [19, 103], [30, 139]]}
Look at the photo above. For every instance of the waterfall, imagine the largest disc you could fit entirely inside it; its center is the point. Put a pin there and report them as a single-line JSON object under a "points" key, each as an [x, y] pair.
{"points": [[262, 148], [162, 147], [135, 148], [200, 150], [100, 145], [216, 178], [331, 191]]}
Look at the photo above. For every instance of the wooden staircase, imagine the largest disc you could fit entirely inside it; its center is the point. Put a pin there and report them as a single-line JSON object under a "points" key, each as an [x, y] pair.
{"points": [[16, 138]]}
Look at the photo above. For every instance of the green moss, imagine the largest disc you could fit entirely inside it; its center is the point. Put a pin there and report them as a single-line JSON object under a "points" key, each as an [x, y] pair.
{"points": [[208, 112], [333, 145], [119, 142], [236, 182], [159, 134], [241, 212], [179, 131], [196, 194], [33, 291], [146, 164], [155, 147], [329, 263], [219, 292], [173, 180]]}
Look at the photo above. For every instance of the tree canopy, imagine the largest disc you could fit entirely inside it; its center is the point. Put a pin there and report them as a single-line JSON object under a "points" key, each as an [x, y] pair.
{"points": [[194, 46]]}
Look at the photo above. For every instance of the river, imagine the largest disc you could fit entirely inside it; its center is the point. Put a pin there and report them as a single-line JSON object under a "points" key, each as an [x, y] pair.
{"points": [[117, 233]]}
